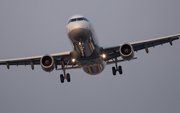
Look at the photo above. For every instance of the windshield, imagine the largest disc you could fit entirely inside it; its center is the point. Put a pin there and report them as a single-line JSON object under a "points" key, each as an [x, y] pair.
{"points": [[77, 19]]}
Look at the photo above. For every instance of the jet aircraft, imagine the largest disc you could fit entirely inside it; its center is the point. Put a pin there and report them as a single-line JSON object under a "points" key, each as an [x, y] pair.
{"points": [[86, 52]]}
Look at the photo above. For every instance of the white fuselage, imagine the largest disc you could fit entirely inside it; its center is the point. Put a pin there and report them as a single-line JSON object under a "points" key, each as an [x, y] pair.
{"points": [[86, 49]]}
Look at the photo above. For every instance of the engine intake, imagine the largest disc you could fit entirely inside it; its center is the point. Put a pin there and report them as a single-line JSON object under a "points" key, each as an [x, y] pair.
{"points": [[126, 51], [47, 63]]}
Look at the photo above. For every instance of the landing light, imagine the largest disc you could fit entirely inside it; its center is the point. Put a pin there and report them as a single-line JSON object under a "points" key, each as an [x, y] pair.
{"points": [[103, 55], [73, 60]]}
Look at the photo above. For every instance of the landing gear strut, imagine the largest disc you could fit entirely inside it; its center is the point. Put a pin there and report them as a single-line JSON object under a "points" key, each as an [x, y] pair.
{"points": [[66, 76], [117, 68]]}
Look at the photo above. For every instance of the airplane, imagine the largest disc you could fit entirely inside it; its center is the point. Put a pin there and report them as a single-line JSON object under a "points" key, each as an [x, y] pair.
{"points": [[86, 52]]}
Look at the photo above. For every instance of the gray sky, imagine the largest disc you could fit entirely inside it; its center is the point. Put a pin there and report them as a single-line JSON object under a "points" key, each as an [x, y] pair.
{"points": [[149, 84]]}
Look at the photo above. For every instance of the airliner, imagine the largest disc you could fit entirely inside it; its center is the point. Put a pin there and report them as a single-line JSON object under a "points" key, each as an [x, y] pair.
{"points": [[86, 52]]}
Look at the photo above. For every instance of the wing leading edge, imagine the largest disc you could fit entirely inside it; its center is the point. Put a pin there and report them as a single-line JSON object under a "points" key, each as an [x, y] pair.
{"points": [[113, 51], [154, 42], [66, 56]]}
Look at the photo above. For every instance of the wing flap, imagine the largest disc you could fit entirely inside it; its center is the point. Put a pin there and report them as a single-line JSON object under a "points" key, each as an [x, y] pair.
{"points": [[122, 60], [21, 61], [25, 62]]}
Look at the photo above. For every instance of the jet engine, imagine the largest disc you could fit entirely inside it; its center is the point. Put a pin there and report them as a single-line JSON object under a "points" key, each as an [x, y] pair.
{"points": [[126, 51], [47, 63]]}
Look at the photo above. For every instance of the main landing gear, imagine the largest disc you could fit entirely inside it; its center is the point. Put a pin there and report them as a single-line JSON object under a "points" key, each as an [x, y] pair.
{"points": [[65, 76], [114, 70], [117, 68]]}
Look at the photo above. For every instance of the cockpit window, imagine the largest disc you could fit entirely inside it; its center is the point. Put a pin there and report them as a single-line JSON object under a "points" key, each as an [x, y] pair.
{"points": [[85, 19], [73, 20], [77, 19]]}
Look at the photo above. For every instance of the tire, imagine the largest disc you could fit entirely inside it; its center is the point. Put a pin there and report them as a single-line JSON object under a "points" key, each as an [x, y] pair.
{"points": [[120, 70], [114, 70], [68, 77], [62, 78]]}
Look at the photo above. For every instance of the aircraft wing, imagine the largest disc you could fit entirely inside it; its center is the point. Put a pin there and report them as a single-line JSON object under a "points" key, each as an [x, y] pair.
{"points": [[113, 51], [66, 56]]}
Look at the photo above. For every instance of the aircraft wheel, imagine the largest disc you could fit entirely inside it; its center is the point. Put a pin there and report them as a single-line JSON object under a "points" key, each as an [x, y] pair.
{"points": [[120, 70], [114, 70], [62, 78], [68, 77]]}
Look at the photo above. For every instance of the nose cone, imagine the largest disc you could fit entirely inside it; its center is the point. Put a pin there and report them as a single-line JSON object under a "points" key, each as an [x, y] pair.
{"points": [[79, 31], [78, 25]]}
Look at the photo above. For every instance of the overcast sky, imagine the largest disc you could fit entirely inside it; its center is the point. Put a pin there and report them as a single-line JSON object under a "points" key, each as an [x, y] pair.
{"points": [[150, 84]]}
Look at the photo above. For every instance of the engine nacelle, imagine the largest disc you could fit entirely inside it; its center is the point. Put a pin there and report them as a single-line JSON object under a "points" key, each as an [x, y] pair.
{"points": [[47, 63], [126, 51]]}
